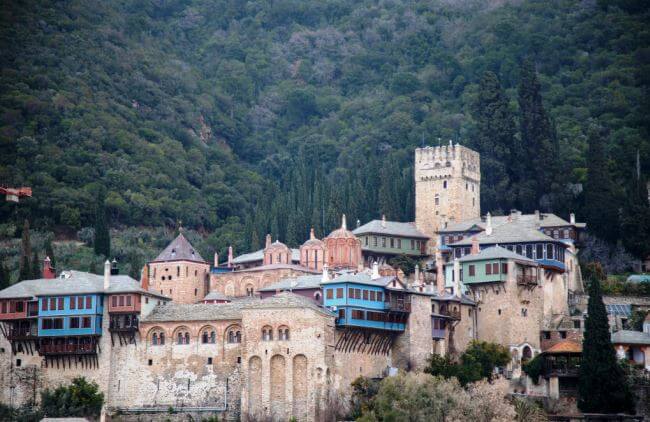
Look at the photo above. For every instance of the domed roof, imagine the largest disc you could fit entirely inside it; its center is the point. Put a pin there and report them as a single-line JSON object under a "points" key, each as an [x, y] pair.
{"points": [[342, 232], [313, 241], [275, 245]]}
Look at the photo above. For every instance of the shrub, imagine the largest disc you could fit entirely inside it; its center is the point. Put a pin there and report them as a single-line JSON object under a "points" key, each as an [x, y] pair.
{"points": [[80, 398]]}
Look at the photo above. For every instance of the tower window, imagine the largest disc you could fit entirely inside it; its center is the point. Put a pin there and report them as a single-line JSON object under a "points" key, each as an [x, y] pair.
{"points": [[444, 184]]}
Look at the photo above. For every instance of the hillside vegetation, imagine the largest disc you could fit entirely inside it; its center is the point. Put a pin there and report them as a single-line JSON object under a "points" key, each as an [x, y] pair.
{"points": [[240, 118]]}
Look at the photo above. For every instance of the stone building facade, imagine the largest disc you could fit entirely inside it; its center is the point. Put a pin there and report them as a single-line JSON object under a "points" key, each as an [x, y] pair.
{"points": [[447, 187]]}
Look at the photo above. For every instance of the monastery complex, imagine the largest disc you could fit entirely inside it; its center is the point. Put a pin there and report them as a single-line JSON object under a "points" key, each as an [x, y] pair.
{"points": [[282, 332]]}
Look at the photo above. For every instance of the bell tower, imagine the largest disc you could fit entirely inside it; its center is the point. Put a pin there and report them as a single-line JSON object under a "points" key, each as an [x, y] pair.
{"points": [[447, 187]]}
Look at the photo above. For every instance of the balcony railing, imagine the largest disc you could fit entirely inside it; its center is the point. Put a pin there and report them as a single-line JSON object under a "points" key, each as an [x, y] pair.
{"points": [[122, 329], [453, 314], [399, 305], [20, 335], [67, 349], [526, 279]]}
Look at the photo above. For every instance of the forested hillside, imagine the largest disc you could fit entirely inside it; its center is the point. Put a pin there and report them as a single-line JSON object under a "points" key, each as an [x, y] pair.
{"points": [[247, 117]]}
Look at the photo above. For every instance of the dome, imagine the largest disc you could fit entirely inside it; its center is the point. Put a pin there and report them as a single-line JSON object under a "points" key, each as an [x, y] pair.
{"points": [[342, 232], [313, 241]]}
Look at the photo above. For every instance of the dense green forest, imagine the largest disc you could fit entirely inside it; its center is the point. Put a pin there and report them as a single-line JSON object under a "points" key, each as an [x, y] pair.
{"points": [[240, 118]]}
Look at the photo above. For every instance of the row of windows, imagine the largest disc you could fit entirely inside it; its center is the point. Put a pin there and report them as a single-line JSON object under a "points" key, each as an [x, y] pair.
{"points": [[207, 337], [376, 316], [558, 234], [12, 306], [58, 303], [365, 294], [74, 322], [532, 251], [490, 268], [178, 273], [329, 293], [267, 333], [394, 242], [121, 300]]}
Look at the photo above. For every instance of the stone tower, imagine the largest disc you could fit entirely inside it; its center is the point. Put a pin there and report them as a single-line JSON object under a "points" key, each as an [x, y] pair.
{"points": [[447, 187]]}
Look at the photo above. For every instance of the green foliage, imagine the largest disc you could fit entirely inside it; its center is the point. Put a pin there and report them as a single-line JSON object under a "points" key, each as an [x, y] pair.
{"points": [[635, 218], [233, 118], [102, 243], [363, 391], [422, 397], [80, 398], [476, 363], [26, 270], [533, 368], [528, 411], [403, 262], [602, 386], [21, 414], [35, 271], [49, 251]]}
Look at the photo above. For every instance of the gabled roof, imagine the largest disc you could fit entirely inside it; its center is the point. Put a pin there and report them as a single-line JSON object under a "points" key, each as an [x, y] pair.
{"points": [[259, 256], [73, 283], [179, 249], [286, 300], [390, 228], [508, 233], [364, 278], [630, 337], [545, 220], [194, 312], [214, 295], [564, 347], [295, 283], [450, 297], [497, 252], [276, 267]]}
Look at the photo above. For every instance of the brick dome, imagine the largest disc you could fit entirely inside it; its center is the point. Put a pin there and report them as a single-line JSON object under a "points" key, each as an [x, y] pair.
{"points": [[343, 248]]}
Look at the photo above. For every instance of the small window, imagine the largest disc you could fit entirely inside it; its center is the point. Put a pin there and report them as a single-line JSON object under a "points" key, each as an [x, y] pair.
{"points": [[209, 361], [61, 304], [128, 300], [121, 300], [488, 269], [380, 297], [562, 334], [329, 293], [74, 322], [495, 268], [339, 293], [546, 335], [444, 184], [504, 268], [85, 322], [113, 301], [472, 270], [576, 324], [383, 242], [150, 362], [365, 295], [499, 311], [89, 302], [18, 362], [196, 292]]}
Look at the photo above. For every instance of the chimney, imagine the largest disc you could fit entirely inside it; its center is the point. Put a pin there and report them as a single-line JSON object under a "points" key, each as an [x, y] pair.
{"points": [[268, 240], [114, 269], [358, 223], [326, 275], [417, 274], [536, 215], [383, 221], [48, 271], [572, 218], [375, 271], [475, 248], [230, 258], [344, 225], [457, 291], [312, 236], [144, 277], [107, 274], [216, 260], [488, 224], [440, 273]]}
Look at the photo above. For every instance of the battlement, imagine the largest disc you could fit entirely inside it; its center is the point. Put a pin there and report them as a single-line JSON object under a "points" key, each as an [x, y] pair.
{"points": [[447, 161]]}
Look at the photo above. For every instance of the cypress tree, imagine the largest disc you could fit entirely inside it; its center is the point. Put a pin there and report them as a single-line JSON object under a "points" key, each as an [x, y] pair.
{"points": [[102, 234], [388, 198], [635, 221], [5, 276], [36, 267], [602, 385], [600, 209], [537, 153], [495, 140], [25, 270], [49, 252]]}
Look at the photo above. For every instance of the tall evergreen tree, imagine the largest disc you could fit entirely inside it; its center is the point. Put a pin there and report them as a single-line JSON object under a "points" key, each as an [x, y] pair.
{"points": [[602, 385], [36, 267], [25, 270], [600, 207], [49, 251], [388, 196], [102, 234], [5, 276], [495, 141], [537, 153], [635, 221]]}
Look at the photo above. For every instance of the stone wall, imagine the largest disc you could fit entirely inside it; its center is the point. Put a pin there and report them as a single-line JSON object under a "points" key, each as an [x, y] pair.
{"points": [[285, 377], [236, 283], [412, 348], [183, 281], [447, 187]]}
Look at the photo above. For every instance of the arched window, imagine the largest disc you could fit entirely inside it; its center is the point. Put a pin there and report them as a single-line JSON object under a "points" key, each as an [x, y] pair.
{"points": [[283, 333], [444, 184], [213, 337], [178, 271], [187, 338], [158, 338], [204, 337], [233, 334], [154, 339], [317, 296], [267, 333]]}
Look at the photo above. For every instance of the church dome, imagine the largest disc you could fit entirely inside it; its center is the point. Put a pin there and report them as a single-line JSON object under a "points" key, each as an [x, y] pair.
{"points": [[342, 232]]}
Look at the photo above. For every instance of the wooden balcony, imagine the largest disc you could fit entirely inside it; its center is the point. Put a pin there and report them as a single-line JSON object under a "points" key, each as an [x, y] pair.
{"points": [[20, 335], [453, 314], [67, 349], [399, 304], [527, 280]]}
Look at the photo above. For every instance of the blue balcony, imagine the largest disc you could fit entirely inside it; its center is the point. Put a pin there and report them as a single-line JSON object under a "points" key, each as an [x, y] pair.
{"points": [[70, 326], [366, 318], [51, 306]]}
